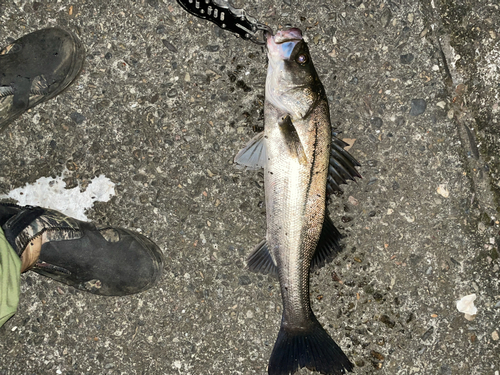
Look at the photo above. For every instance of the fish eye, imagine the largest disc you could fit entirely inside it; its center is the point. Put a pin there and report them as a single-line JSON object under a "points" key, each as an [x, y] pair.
{"points": [[302, 58]]}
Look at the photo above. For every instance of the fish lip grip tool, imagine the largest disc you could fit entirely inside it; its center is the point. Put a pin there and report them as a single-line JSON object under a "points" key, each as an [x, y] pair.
{"points": [[224, 15]]}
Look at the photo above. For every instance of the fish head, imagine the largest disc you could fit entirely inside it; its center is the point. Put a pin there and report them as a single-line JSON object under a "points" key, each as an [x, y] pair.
{"points": [[292, 83]]}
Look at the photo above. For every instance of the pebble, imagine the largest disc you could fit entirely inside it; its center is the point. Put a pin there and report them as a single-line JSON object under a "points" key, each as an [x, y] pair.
{"points": [[354, 202], [427, 334], [387, 321], [245, 280], [242, 85], [379, 358], [213, 48], [445, 370], [418, 107], [160, 29], [386, 17], [494, 335], [376, 122], [441, 104], [481, 227], [350, 143], [359, 362], [77, 117], [400, 121], [169, 45], [406, 59]]}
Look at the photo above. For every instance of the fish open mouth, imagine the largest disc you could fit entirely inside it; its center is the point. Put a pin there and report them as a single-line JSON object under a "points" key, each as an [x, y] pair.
{"points": [[286, 40], [288, 35], [281, 45]]}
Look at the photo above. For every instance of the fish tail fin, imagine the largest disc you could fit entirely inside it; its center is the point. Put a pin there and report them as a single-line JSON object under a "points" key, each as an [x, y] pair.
{"points": [[312, 348]]}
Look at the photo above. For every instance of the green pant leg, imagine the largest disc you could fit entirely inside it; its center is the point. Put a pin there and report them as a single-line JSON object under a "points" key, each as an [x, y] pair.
{"points": [[10, 275]]}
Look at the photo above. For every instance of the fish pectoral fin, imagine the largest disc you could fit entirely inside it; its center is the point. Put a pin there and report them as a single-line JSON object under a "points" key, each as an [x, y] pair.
{"points": [[261, 261], [342, 166], [328, 245], [253, 156], [292, 139]]}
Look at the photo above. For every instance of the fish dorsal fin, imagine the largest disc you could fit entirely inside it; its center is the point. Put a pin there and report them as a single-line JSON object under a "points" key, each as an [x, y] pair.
{"points": [[261, 261], [292, 139], [328, 245], [253, 155], [342, 166]]}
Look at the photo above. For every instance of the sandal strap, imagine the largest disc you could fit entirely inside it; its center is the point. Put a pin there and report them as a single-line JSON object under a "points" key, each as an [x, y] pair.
{"points": [[18, 223]]}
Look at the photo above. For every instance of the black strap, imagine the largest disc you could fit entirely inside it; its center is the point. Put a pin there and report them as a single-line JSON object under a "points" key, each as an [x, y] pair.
{"points": [[226, 17]]}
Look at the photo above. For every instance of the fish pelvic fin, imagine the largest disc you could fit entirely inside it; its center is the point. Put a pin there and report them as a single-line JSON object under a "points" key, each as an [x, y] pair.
{"points": [[312, 348], [261, 261], [328, 246], [342, 167], [253, 156], [292, 140]]}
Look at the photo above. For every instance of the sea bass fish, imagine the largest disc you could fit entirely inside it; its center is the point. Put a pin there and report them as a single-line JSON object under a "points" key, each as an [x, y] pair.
{"points": [[303, 163]]}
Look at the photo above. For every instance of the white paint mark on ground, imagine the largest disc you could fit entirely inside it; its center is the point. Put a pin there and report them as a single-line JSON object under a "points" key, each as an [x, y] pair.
{"points": [[52, 193]]}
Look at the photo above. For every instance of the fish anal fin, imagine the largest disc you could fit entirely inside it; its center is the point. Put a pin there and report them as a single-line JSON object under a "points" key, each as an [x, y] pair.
{"points": [[261, 261], [292, 139], [328, 246]]}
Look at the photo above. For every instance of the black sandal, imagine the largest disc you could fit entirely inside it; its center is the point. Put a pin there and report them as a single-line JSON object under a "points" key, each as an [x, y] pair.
{"points": [[101, 260], [36, 68]]}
